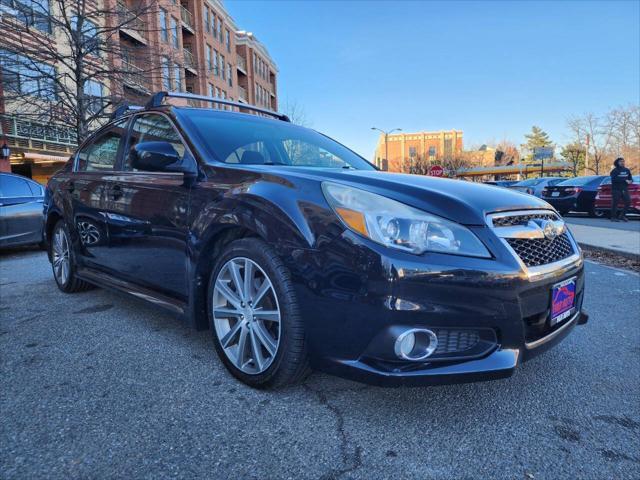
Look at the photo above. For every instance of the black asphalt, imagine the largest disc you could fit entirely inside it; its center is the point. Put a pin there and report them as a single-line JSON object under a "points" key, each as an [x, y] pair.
{"points": [[99, 385]]}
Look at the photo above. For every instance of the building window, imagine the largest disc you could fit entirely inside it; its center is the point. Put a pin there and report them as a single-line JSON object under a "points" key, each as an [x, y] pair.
{"points": [[174, 33], [216, 72], [211, 92], [166, 74], [207, 19], [89, 34], [164, 34], [31, 13], [222, 71], [209, 61], [432, 151], [20, 75], [229, 75], [95, 93], [220, 29], [214, 26], [228, 40], [177, 77]]}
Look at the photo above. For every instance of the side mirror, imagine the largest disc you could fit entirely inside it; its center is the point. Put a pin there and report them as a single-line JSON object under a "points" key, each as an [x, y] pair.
{"points": [[157, 157]]}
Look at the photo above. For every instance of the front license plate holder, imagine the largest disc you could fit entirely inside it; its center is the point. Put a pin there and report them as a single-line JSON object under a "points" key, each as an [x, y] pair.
{"points": [[563, 301]]}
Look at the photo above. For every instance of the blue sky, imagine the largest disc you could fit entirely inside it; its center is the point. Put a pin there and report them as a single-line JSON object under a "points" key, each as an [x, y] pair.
{"points": [[491, 69]]}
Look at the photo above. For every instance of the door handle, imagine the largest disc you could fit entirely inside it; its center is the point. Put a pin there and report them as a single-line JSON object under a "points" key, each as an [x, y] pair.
{"points": [[116, 192]]}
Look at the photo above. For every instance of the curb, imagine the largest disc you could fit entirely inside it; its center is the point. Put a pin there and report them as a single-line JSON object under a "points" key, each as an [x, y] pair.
{"points": [[621, 253]]}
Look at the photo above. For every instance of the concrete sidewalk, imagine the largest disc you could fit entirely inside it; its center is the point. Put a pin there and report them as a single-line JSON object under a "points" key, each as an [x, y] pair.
{"points": [[623, 242]]}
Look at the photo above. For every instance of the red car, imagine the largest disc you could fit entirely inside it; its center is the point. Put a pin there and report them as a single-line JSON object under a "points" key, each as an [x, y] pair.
{"points": [[603, 198]]}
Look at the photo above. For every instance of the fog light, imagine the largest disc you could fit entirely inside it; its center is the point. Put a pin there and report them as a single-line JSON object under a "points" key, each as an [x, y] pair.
{"points": [[415, 344]]}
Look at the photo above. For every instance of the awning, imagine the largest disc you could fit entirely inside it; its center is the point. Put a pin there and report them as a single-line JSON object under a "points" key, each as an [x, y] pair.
{"points": [[38, 158]]}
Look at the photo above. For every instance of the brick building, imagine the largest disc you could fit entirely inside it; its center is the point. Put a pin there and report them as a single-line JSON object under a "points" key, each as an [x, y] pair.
{"points": [[405, 148], [189, 45]]}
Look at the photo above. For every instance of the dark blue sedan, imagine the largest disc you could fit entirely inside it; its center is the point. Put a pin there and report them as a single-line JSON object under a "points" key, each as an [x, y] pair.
{"points": [[298, 254]]}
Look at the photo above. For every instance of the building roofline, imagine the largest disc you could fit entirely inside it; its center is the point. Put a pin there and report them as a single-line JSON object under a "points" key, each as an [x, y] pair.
{"points": [[248, 38], [218, 5]]}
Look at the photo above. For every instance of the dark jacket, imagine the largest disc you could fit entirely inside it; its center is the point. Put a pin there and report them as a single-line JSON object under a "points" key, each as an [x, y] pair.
{"points": [[619, 177]]}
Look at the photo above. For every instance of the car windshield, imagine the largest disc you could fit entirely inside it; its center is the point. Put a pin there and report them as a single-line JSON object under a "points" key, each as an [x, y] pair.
{"points": [[577, 181], [251, 140]]}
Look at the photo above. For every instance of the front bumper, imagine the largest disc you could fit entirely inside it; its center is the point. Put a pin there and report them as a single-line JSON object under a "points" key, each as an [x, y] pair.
{"points": [[356, 292]]}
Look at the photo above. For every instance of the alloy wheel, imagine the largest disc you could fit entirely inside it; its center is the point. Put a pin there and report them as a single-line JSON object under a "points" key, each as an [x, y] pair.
{"points": [[246, 315], [60, 256]]}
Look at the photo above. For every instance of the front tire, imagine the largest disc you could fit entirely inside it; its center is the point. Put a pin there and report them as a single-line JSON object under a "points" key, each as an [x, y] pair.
{"points": [[63, 261], [255, 318]]}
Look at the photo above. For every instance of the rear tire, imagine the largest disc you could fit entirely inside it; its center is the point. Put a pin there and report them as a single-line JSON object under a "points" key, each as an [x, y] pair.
{"points": [[255, 317], [63, 261]]}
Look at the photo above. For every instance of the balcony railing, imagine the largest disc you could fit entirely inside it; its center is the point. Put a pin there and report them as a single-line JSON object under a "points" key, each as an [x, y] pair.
{"points": [[189, 60], [242, 63], [186, 16], [130, 21], [32, 135], [134, 76], [242, 93]]}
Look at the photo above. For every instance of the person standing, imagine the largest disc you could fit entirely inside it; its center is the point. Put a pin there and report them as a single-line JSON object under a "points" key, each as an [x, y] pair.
{"points": [[620, 181]]}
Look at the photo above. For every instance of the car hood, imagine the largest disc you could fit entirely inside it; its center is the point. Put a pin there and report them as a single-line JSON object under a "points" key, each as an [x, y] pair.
{"points": [[464, 202]]}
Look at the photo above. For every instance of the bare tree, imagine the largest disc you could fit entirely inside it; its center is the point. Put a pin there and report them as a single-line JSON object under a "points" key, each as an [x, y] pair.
{"points": [[453, 164], [506, 153], [595, 133], [624, 125], [74, 72], [296, 113]]}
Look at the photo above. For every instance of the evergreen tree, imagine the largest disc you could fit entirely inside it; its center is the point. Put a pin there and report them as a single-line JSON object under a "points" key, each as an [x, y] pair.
{"points": [[537, 138]]}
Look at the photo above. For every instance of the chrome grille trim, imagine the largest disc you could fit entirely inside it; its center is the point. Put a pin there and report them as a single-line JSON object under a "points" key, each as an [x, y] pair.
{"points": [[510, 227]]}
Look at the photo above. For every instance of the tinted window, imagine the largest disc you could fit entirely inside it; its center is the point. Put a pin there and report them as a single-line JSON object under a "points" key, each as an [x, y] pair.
{"points": [[153, 128], [14, 187], [229, 138], [580, 181], [101, 154]]}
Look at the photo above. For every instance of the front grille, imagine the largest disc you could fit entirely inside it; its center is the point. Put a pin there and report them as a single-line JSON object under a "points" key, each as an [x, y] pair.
{"points": [[540, 251], [513, 220], [454, 341]]}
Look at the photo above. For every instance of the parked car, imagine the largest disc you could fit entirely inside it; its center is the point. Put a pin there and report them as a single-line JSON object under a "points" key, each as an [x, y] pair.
{"points": [[603, 198], [500, 183], [21, 215], [297, 253], [576, 194], [534, 186]]}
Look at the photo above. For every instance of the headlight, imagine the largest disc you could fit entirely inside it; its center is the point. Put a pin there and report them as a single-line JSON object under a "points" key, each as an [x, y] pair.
{"points": [[400, 226]]}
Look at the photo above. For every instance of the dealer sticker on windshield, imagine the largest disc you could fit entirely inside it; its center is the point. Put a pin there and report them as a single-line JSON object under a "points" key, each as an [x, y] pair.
{"points": [[563, 299]]}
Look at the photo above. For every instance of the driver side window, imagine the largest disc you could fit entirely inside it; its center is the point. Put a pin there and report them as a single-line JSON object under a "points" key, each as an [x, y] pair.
{"points": [[152, 128]]}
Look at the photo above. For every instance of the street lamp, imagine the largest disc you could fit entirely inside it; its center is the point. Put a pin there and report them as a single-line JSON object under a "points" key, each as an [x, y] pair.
{"points": [[386, 144], [5, 151]]}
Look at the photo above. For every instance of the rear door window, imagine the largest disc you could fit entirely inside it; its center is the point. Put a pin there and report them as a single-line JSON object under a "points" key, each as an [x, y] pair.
{"points": [[101, 154], [12, 187]]}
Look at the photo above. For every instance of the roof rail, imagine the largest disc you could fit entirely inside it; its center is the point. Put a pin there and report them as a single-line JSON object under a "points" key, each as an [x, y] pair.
{"points": [[157, 98], [122, 109]]}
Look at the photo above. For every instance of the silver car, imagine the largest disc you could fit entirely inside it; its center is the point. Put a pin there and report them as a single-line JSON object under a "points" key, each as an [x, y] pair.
{"points": [[21, 214], [534, 186]]}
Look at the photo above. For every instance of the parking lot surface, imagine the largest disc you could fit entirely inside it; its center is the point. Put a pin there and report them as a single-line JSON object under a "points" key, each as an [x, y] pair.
{"points": [[99, 385]]}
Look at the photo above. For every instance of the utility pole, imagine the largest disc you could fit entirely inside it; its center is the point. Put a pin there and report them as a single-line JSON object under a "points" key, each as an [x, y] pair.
{"points": [[386, 143], [586, 156]]}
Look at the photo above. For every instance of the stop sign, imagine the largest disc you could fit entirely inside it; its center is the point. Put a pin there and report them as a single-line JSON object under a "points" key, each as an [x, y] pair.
{"points": [[436, 171]]}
